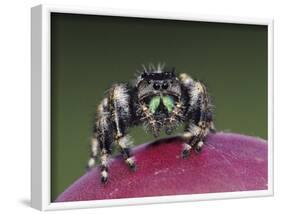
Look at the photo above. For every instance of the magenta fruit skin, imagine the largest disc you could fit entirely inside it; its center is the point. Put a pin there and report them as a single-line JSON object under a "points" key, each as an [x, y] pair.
{"points": [[227, 163]]}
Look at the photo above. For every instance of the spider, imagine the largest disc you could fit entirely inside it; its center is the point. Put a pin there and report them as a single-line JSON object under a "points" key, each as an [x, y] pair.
{"points": [[157, 99]]}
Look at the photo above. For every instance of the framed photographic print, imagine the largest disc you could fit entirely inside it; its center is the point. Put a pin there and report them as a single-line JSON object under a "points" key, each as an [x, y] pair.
{"points": [[135, 107]]}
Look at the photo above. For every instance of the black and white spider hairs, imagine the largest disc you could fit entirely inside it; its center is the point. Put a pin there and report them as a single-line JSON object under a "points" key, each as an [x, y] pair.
{"points": [[157, 99]]}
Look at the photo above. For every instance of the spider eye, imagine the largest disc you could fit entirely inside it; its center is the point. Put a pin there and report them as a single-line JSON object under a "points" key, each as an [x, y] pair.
{"points": [[156, 86], [165, 85]]}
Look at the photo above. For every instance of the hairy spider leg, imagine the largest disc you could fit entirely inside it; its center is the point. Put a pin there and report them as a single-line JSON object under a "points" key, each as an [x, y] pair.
{"points": [[120, 107], [199, 119]]}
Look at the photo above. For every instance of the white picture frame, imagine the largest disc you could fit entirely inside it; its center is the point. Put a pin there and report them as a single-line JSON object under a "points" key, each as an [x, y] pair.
{"points": [[40, 70]]}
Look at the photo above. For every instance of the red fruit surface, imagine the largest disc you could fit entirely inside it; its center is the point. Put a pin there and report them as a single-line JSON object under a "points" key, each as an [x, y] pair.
{"points": [[227, 162]]}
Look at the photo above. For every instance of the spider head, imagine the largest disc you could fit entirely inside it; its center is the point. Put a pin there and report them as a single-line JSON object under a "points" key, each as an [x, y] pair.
{"points": [[159, 89]]}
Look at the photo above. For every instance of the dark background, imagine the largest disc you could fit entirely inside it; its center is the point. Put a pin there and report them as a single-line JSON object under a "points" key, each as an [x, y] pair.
{"points": [[89, 53]]}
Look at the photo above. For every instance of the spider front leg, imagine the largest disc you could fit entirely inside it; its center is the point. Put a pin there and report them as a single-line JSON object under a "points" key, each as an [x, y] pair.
{"points": [[119, 96], [123, 143], [199, 115], [194, 138], [113, 120]]}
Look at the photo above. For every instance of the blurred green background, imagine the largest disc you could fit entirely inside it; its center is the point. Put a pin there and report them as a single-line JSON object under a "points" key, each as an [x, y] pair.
{"points": [[89, 53]]}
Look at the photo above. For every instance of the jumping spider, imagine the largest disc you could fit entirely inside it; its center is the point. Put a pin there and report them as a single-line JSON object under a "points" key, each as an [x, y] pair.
{"points": [[158, 99]]}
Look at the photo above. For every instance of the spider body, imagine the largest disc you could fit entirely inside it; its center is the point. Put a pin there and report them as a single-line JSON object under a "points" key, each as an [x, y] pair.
{"points": [[157, 99]]}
